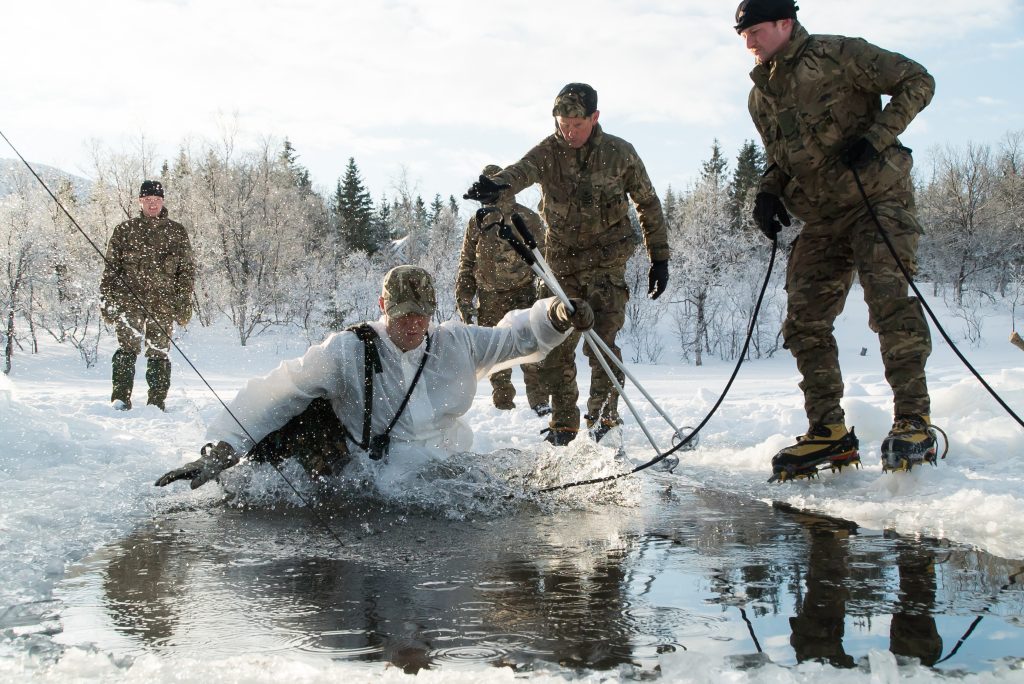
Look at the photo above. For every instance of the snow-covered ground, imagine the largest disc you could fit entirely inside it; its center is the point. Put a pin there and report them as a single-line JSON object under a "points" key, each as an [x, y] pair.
{"points": [[75, 475]]}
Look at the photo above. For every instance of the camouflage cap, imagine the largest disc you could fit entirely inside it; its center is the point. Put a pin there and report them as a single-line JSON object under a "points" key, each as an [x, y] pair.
{"points": [[752, 12], [408, 289], [491, 169], [575, 100]]}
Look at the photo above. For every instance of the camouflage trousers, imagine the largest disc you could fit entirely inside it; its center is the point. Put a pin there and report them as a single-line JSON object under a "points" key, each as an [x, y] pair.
{"points": [[606, 292], [315, 438], [494, 306], [824, 259], [133, 328]]}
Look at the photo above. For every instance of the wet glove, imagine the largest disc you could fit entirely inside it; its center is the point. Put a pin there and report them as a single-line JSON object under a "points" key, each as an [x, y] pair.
{"points": [[467, 312], [657, 278], [859, 154], [485, 190], [215, 459], [581, 318], [769, 211]]}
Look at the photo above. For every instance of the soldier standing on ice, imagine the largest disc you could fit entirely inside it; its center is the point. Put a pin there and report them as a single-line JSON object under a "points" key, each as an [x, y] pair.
{"points": [[501, 281], [817, 103], [146, 288], [587, 178]]}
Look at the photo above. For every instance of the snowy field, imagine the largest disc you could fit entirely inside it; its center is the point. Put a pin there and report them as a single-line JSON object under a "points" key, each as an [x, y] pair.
{"points": [[75, 475]]}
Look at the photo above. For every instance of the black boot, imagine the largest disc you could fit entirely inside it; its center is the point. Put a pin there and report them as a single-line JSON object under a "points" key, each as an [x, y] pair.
{"points": [[123, 379], [158, 375]]}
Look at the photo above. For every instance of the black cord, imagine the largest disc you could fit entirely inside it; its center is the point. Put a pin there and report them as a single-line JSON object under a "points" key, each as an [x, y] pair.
{"points": [[167, 333], [910, 280], [721, 398]]}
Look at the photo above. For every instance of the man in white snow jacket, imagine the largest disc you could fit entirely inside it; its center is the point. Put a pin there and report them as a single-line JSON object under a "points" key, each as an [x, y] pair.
{"points": [[427, 377]]}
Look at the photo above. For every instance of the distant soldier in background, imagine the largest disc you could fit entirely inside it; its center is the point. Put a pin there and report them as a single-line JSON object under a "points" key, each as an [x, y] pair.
{"points": [[587, 178], [146, 288], [817, 103], [491, 272]]}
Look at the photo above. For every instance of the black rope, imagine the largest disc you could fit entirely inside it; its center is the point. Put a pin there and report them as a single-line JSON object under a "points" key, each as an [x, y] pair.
{"points": [[931, 314], [167, 333], [721, 398]]}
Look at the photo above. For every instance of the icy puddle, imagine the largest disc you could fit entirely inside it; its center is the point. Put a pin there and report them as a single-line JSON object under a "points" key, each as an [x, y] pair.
{"points": [[562, 591]]}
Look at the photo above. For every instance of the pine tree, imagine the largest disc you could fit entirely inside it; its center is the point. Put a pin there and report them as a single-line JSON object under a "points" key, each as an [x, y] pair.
{"points": [[713, 169], [299, 173], [436, 208], [749, 167], [354, 210]]}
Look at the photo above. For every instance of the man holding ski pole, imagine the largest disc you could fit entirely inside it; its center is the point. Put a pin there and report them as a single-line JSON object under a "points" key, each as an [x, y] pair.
{"points": [[587, 178]]}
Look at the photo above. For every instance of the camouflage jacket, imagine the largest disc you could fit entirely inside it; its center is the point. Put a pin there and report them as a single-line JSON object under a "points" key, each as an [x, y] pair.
{"points": [[586, 193], [152, 258], [488, 263], [819, 96]]}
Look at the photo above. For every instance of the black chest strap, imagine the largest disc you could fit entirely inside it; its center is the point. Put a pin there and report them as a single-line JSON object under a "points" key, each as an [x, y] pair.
{"points": [[372, 366]]}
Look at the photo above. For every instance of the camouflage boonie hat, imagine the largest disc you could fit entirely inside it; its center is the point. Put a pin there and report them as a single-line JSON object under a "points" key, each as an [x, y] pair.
{"points": [[408, 289], [575, 100]]}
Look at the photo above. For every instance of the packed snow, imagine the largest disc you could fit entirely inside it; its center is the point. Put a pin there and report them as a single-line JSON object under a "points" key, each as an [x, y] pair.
{"points": [[77, 475]]}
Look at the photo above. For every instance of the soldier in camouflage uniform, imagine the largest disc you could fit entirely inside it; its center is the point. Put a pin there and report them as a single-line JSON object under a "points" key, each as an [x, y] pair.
{"points": [[816, 101], [490, 271], [587, 178], [146, 288]]}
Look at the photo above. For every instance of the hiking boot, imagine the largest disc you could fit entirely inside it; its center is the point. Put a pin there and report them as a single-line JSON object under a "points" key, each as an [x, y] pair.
{"points": [[599, 428], [158, 376], [542, 409], [911, 441], [123, 379], [831, 444], [559, 436], [121, 404]]}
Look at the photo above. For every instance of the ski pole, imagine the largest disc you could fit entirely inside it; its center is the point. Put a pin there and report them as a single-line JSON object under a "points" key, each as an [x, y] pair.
{"points": [[539, 258]]}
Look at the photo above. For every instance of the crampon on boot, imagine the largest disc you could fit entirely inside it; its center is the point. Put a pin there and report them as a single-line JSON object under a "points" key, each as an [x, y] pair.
{"points": [[830, 446], [913, 440]]}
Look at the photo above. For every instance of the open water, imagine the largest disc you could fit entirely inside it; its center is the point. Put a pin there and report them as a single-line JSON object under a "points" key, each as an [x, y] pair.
{"points": [[564, 589]]}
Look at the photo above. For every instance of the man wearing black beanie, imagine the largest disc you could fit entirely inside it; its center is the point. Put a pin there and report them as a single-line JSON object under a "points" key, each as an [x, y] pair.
{"points": [[817, 103], [146, 287]]}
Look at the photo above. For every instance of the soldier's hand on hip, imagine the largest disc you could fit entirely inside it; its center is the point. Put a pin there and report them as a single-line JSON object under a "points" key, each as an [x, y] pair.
{"points": [[485, 190], [769, 212], [859, 154], [657, 278]]}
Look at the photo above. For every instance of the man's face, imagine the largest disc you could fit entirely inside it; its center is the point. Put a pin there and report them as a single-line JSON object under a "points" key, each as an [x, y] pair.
{"points": [[766, 39], [151, 205], [407, 331], [576, 130]]}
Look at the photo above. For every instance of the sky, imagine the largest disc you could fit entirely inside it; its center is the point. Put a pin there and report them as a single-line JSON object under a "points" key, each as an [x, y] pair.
{"points": [[431, 92]]}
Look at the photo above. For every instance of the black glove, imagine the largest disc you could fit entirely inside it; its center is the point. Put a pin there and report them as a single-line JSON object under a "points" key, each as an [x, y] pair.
{"points": [[581, 318], [657, 278], [215, 459], [859, 154], [485, 190], [768, 212]]}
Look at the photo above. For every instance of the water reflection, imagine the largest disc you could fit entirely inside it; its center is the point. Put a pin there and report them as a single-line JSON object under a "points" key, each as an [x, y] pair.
{"points": [[599, 590]]}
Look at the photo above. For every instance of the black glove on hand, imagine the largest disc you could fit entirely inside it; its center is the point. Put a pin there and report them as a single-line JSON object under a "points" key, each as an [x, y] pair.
{"points": [[859, 154], [657, 278], [485, 190], [215, 460], [581, 318], [766, 208]]}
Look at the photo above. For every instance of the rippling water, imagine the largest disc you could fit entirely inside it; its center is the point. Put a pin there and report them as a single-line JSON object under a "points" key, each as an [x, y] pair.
{"points": [[609, 579]]}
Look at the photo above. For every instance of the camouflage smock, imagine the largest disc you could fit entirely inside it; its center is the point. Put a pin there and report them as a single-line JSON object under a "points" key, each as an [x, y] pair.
{"points": [[818, 96], [586, 194], [488, 263], [152, 258]]}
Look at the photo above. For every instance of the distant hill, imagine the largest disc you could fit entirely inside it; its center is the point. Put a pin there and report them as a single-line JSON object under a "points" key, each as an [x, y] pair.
{"points": [[13, 173]]}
